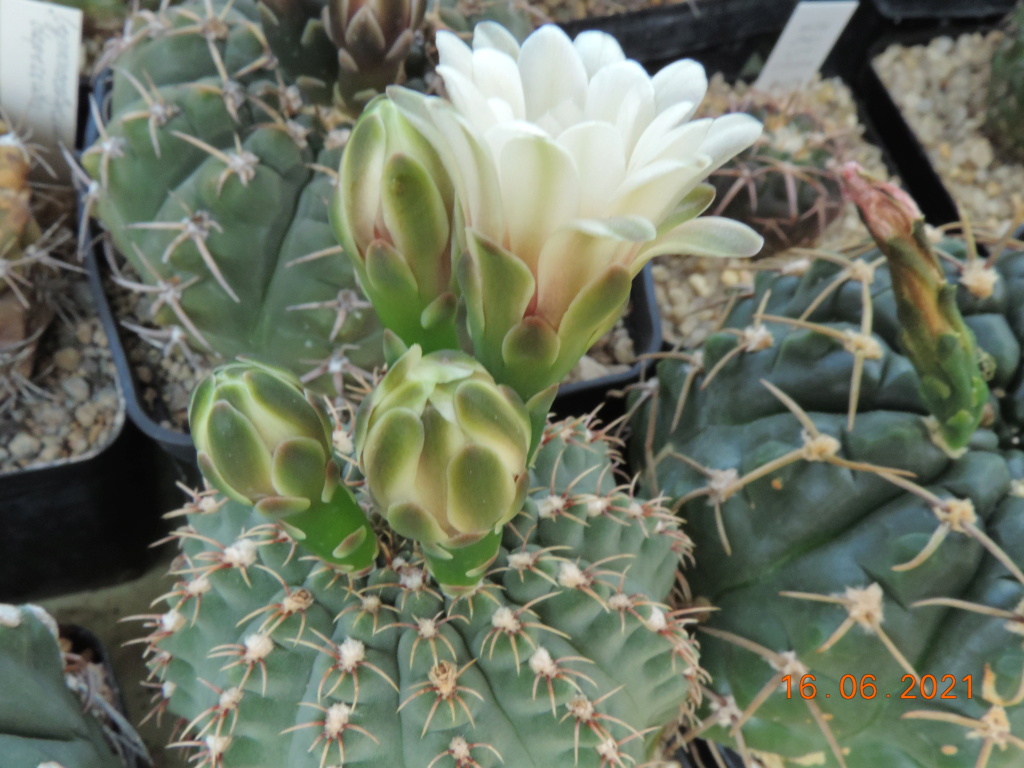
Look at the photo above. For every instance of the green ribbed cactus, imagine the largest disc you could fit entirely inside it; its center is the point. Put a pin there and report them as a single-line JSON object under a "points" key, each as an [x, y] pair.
{"points": [[786, 186], [847, 545], [1005, 99], [43, 724], [212, 174], [565, 654]]}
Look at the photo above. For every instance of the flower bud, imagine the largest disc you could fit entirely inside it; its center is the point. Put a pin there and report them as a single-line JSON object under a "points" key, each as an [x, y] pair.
{"points": [[933, 334], [392, 214], [444, 451], [260, 439], [263, 441]]}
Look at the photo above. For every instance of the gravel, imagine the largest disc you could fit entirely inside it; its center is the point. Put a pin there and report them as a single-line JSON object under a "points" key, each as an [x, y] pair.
{"points": [[941, 89]]}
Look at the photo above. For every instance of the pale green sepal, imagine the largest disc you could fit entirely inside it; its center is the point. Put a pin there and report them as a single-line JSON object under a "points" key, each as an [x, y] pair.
{"points": [[530, 349], [591, 314], [498, 298], [361, 170], [392, 452], [297, 468], [394, 347], [690, 207], [414, 522], [493, 417], [392, 285], [481, 489], [415, 215], [282, 506], [439, 313], [213, 477], [350, 544], [282, 406], [243, 461], [461, 568]]}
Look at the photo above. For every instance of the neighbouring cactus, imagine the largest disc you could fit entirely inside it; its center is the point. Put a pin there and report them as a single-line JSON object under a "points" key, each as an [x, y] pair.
{"points": [[212, 174], [1005, 98], [787, 186], [27, 261], [837, 533], [566, 654], [43, 724]]}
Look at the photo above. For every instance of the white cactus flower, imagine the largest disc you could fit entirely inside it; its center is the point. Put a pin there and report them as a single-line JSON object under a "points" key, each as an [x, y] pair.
{"points": [[573, 161]]}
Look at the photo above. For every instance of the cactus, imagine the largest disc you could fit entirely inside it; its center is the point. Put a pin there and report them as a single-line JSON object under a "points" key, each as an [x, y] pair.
{"points": [[787, 185], [42, 721], [212, 173], [855, 556], [28, 263], [566, 654], [1005, 98]]}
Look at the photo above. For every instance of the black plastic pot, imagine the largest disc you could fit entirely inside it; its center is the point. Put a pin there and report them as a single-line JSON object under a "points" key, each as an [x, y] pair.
{"points": [[701, 754], [669, 32], [898, 10], [79, 524]]}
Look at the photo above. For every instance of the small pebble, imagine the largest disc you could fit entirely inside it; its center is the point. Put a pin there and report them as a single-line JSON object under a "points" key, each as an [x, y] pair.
{"points": [[78, 388], [24, 445], [67, 359]]}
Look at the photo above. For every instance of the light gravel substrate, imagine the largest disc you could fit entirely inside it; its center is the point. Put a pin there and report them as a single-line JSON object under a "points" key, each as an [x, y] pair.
{"points": [[77, 408], [941, 89]]}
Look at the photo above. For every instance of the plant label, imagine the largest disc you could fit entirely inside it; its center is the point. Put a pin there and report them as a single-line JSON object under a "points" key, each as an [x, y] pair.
{"points": [[805, 42]]}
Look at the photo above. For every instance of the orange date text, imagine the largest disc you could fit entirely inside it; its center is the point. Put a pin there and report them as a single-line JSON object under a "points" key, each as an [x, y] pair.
{"points": [[865, 687]]}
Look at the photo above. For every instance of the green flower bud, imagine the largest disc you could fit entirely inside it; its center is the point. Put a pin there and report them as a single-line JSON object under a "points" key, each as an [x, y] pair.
{"points": [[444, 451], [392, 214], [263, 441]]}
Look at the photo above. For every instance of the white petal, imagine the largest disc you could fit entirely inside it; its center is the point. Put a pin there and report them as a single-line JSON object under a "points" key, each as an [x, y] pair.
{"points": [[468, 161], [600, 159], [707, 236], [622, 95], [498, 136], [467, 98], [661, 126], [730, 135], [497, 76], [678, 144], [491, 34], [454, 53], [501, 109], [551, 71], [680, 81], [596, 50], [654, 191], [540, 192]]}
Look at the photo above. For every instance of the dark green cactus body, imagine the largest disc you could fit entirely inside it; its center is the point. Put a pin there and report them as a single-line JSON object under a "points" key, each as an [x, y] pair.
{"points": [[566, 654], [214, 172], [42, 723], [837, 534]]}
